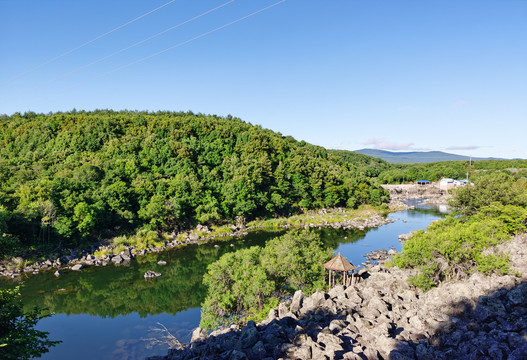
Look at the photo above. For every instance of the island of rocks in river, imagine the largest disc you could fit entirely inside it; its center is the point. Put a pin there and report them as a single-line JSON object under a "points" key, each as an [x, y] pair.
{"points": [[382, 317]]}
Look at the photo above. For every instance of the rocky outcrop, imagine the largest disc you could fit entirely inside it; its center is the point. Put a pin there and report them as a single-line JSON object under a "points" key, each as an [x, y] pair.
{"points": [[382, 317]]}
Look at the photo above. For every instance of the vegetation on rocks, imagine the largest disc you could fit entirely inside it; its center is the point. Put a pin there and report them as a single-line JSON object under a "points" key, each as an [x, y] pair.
{"points": [[242, 282], [486, 215]]}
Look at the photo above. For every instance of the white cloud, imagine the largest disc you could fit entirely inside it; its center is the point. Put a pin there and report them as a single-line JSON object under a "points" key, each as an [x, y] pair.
{"points": [[383, 144], [461, 103], [467, 147]]}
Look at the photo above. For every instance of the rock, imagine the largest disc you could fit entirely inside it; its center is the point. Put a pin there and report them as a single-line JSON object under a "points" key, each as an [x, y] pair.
{"points": [[161, 262], [296, 302], [282, 310], [249, 336], [77, 267], [117, 259], [150, 274], [237, 355], [198, 335], [57, 273]]}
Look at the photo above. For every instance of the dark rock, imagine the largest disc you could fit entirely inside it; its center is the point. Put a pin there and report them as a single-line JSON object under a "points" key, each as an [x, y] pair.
{"points": [[249, 336]]}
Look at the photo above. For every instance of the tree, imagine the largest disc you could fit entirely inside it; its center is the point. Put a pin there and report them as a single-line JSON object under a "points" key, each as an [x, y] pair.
{"points": [[18, 337]]}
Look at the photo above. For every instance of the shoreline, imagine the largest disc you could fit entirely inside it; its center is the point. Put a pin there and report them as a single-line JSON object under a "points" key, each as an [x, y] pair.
{"points": [[77, 259], [383, 317]]}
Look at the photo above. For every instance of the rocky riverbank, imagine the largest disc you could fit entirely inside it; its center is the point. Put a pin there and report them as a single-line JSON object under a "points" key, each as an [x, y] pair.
{"points": [[76, 260], [430, 194], [382, 317]]}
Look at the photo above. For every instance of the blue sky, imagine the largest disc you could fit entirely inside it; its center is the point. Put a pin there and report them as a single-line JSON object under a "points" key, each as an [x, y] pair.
{"points": [[401, 75]]}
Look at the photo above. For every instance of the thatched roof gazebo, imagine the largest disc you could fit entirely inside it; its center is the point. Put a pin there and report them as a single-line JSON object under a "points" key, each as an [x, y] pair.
{"points": [[340, 264]]}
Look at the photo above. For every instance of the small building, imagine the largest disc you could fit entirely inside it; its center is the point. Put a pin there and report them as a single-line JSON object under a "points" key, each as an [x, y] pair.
{"points": [[341, 265], [423, 182]]}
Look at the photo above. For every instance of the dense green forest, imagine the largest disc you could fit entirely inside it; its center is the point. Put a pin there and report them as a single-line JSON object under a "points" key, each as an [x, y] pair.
{"points": [[79, 175]]}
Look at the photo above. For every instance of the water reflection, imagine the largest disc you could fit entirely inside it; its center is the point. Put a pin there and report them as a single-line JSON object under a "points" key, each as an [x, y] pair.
{"points": [[110, 309]]}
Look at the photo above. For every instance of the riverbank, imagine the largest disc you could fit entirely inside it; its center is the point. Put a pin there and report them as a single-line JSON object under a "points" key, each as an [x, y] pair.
{"points": [[431, 194], [382, 317], [121, 250]]}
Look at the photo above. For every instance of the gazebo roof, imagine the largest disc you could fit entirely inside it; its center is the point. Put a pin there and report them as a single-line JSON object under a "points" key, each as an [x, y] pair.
{"points": [[339, 263]]}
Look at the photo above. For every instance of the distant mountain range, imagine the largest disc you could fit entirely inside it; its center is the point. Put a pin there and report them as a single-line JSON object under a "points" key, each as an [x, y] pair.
{"points": [[417, 156]]}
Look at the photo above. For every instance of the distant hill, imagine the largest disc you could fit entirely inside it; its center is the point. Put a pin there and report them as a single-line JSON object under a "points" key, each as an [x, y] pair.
{"points": [[417, 156]]}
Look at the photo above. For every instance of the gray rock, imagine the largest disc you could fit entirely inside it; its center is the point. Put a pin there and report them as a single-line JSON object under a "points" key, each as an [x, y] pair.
{"points": [[161, 262], [77, 267], [296, 302], [57, 273], [117, 259], [150, 274], [198, 335]]}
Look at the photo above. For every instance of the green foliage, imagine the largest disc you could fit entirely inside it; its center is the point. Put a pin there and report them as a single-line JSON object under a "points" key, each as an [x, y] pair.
{"points": [[403, 173], [18, 337], [240, 283], [456, 246], [492, 187], [295, 260], [69, 176]]}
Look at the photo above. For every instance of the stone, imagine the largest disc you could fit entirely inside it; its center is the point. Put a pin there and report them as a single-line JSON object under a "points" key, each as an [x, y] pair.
{"points": [[77, 267], [257, 351], [150, 274], [296, 302], [282, 310], [57, 273], [161, 262], [117, 259], [237, 355], [249, 336], [198, 335]]}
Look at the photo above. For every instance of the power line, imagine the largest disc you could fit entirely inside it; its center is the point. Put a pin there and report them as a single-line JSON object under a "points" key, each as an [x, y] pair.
{"points": [[86, 43], [165, 50], [115, 53]]}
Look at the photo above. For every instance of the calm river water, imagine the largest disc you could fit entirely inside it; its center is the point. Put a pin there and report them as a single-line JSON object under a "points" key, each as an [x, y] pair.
{"points": [[110, 312]]}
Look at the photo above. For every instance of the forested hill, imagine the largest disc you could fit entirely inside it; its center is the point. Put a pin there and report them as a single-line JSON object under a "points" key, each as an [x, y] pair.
{"points": [[77, 174]]}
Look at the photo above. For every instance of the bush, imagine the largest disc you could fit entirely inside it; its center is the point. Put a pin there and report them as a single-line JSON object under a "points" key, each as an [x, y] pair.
{"points": [[240, 283], [455, 247]]}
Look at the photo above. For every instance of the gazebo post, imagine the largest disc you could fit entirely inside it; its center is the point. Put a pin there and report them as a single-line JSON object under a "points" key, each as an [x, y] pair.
{"points": [[340, 264]]}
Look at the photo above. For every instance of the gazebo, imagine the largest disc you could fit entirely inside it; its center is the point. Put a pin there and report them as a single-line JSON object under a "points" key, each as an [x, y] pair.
{"points": [[340, 264]]}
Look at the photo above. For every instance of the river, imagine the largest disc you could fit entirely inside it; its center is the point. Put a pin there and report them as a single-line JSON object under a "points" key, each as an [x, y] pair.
{"points": [[111, 312]]}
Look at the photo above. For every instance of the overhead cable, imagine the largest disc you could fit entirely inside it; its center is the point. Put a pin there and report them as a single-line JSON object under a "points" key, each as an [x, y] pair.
{"points": [[86, 43], [165, 50], [116, 52]]}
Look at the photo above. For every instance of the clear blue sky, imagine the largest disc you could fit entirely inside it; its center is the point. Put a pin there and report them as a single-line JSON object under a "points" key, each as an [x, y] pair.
{"points": [[447, 75]]}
